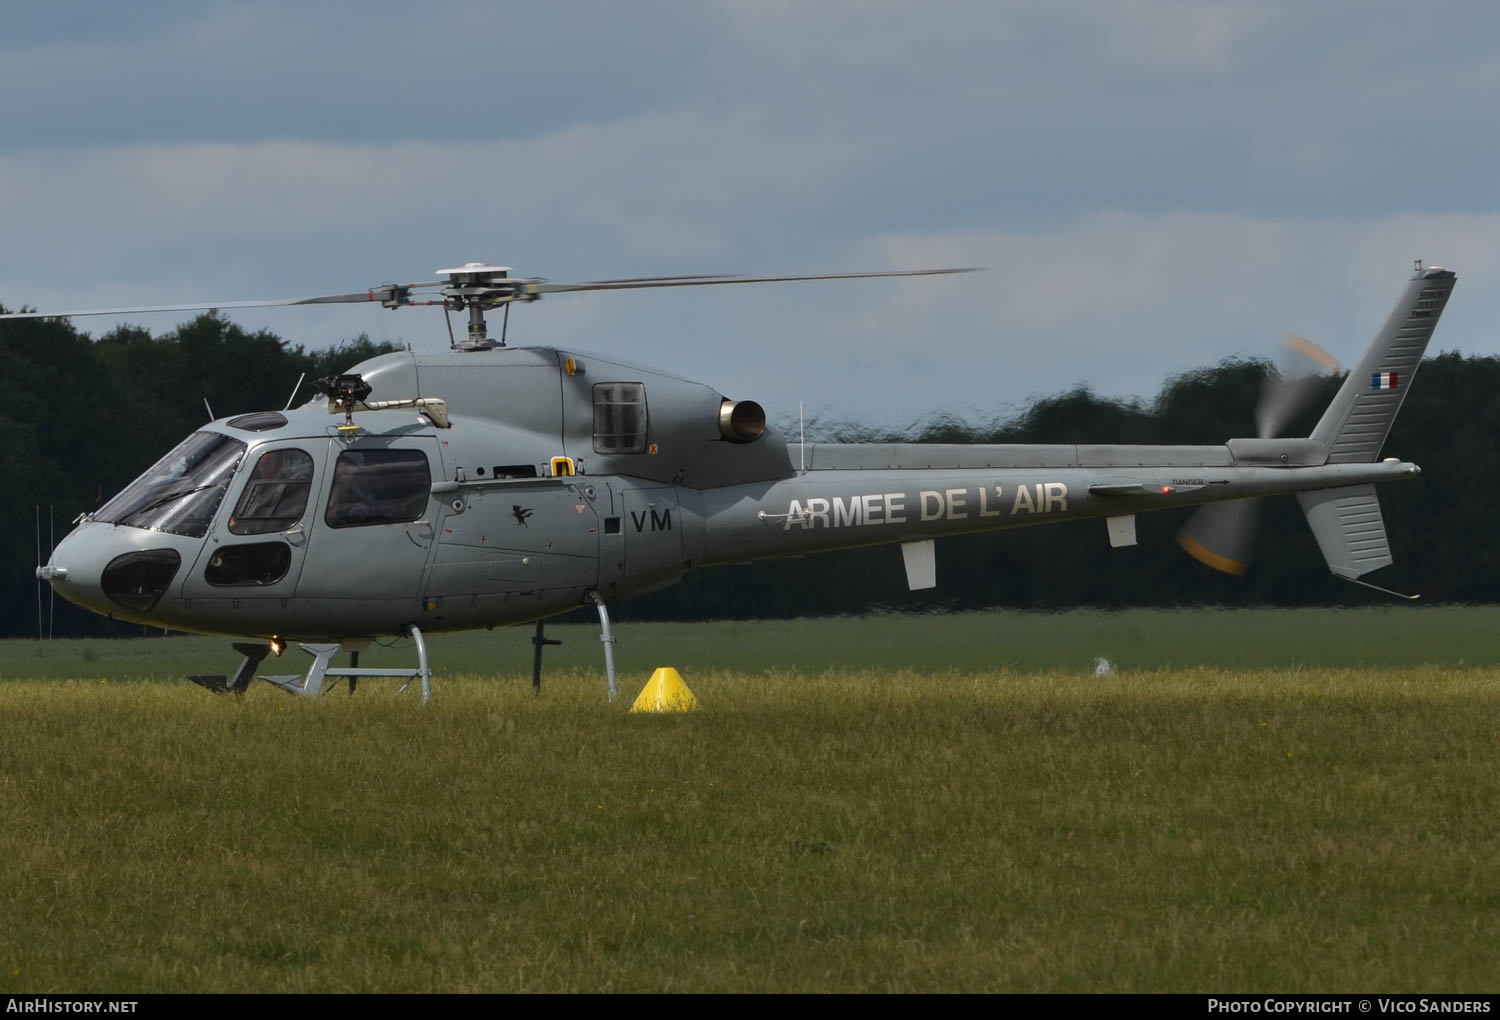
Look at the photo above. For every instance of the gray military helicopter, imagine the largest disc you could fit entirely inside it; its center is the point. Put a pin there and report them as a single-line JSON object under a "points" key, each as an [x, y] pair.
{"points": [[489, 485]]}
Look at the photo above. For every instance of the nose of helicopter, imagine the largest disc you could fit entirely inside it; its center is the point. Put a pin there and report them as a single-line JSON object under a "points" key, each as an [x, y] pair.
{"points": [[112, 570]]}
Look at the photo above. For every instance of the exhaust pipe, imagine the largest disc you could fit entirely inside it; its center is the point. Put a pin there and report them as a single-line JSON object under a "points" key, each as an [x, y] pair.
{"points": [[741, 421]]}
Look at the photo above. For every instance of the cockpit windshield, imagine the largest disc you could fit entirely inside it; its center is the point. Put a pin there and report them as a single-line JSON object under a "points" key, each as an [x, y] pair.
{"points": [[182, 491]]}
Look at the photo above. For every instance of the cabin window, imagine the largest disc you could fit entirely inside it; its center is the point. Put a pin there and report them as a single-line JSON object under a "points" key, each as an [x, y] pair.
{"points": [[378, 487], [260, 421], [620, 417], [275, 494], [254, 564]]}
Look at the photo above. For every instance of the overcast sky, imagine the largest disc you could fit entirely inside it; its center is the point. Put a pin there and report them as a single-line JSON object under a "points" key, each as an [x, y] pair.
{"points": [[1153, 185]]}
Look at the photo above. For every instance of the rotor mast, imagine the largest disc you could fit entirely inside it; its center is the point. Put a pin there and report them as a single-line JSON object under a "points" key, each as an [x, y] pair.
{"points": [[478, 287]]}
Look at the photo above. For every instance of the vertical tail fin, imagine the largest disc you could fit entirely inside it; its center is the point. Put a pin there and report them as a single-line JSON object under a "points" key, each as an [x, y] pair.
{"points": [[1354, 427], [1347, 522]]}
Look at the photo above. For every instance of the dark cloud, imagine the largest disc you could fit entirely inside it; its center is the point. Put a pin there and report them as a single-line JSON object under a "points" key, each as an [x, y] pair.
{"points": [[1155, 185]]}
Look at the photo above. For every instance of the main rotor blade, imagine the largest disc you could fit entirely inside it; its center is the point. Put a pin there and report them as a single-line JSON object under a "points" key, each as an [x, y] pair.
{"points": [[643, 282], [521, 285], [376, 294]]}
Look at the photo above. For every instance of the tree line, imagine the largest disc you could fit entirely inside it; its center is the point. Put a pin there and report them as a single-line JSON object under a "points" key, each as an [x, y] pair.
{"points": [[85, 416]]}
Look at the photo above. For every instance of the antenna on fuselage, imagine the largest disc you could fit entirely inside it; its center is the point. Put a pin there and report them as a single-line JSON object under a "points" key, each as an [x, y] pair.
{"points": [[38, 571], [51, 599], [294, 391], [52, 540]]}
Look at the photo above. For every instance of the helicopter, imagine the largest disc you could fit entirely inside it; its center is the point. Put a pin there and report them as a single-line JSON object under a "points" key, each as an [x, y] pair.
{"points": [[488, 485]]}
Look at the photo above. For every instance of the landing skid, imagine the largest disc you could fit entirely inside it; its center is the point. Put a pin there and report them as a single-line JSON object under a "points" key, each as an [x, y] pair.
{"points": [[540, 641], [254, 653], [311, 685], [607, 639], [314, 682]]}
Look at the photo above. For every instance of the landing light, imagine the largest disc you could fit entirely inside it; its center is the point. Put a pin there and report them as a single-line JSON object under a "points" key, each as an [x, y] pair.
{"points": [[277, 646]]}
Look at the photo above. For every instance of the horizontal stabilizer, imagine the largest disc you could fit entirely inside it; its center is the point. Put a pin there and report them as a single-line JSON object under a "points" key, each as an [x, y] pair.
{"points": [[1115, 489], [1349, 529]]}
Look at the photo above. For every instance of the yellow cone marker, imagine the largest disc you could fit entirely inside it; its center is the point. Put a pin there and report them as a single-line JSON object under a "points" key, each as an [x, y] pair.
{"points": [[665, 692]]}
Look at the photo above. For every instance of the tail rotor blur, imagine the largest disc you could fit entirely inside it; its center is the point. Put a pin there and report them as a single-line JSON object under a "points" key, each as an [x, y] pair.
{"points": [[1294, 387], [1222, 535]]}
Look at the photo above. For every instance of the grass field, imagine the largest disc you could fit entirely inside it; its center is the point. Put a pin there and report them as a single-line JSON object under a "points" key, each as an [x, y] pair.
{"points": [[1138, 639], [1255, 801]]}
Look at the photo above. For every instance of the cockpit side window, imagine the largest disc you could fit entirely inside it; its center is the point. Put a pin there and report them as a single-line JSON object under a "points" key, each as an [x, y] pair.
{"points": [[275, 493], [620, 417], [378, 487]]}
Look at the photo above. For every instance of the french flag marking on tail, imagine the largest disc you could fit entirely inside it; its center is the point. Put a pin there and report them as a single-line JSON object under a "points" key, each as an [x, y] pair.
{"points": [[1383, 381]]}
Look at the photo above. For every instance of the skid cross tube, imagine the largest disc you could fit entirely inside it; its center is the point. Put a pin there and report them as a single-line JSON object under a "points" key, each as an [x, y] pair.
{"points": [[312, 684]]}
